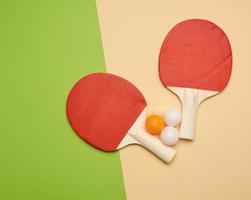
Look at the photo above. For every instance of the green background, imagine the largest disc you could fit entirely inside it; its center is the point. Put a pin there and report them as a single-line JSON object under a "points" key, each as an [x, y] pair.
{"points": [[45, 47]]}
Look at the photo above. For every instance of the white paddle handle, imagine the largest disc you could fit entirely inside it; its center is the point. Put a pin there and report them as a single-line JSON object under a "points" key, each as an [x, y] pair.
{"points": [[190, 102], [154, 145]]}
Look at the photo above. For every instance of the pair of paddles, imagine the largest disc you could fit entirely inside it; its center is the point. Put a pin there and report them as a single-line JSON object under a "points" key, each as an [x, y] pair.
{"points": [[109, 112]]}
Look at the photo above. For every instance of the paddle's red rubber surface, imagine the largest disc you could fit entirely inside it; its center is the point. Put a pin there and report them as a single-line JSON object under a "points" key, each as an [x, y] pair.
{"points": [[102, 107], [196, 54]]}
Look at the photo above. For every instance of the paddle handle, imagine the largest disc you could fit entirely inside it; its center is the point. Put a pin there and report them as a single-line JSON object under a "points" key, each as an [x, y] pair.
{"points": [[190, 102], [153, 144]]}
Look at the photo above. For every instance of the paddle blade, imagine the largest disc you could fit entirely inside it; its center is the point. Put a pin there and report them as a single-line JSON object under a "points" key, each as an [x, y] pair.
{"points": [[196, 54], [102, 107]]}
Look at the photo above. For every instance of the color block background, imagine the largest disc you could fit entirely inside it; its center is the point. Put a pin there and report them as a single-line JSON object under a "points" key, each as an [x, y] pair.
{"points": [[45, 47], [216, 165]]}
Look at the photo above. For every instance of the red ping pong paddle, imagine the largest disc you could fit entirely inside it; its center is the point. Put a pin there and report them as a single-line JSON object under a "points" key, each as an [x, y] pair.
{"points": [[195, 62], [109, 113]]}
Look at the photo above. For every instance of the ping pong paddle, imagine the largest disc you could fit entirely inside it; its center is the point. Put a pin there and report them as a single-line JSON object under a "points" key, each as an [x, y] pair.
{"points": [[195, 63], [109, 113]]}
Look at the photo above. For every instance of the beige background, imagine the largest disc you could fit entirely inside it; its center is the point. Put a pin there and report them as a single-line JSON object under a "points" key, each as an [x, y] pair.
{"points": [[217, 165]]}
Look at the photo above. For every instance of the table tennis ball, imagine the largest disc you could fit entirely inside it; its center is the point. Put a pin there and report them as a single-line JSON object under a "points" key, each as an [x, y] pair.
{"points": [[169, 135], [172, 117], [154, 124]]}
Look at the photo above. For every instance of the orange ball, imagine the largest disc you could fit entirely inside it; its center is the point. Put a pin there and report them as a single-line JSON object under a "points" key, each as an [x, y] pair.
{"points": [[154, 124]]}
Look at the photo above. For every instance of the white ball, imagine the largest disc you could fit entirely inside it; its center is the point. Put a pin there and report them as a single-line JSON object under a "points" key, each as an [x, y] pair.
{"points": [[172, 117], [169, 135]]}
